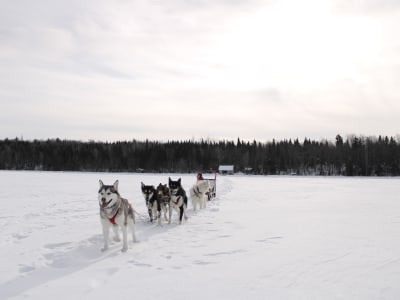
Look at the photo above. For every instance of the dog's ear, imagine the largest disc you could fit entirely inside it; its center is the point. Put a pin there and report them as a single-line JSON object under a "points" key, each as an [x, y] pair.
{"points": [[142, 185], [115, 185], [169, 179], [101, 183], [179, 181]]}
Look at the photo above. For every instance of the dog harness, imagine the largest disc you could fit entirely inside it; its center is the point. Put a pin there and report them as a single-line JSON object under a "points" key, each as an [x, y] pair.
{"points": [[177, 200], [112, 219], [197, 191]]}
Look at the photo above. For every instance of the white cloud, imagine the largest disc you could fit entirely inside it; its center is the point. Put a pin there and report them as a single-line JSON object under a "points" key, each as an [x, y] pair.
{"points": [[180, 69]]}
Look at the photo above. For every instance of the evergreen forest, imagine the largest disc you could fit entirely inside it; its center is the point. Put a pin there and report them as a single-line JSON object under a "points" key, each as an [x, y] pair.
{"points": [[352, 156]]}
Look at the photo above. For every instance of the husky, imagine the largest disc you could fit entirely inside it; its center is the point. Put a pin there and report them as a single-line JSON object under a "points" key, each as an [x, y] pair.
{"points": [[152, 202], [198, 194], [115, 212], [178, 199], [164, 197]]}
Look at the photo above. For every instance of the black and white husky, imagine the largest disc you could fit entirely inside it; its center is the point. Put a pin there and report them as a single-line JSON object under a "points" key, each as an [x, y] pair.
{"points": [[178, 199], [152, 202], [115, 212], [198, 194]]}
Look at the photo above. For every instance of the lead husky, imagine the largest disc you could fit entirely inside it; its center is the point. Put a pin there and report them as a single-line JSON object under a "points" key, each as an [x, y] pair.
{"points": [[178, 199], [198, 194], [115, 212]]}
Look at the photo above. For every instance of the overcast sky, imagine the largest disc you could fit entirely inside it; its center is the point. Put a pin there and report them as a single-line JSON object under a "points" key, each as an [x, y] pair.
{"points": [[182, 69]]}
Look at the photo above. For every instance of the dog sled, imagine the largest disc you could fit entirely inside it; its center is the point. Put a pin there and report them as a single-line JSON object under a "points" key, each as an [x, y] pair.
{"points": [[212, 183]]}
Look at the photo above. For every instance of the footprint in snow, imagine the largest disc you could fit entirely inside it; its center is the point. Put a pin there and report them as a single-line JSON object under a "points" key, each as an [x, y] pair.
{"points": [[26, 268]]}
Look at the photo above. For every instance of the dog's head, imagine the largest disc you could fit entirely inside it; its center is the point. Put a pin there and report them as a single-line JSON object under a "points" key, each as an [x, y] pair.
{"points": [[148, 192], [108, 194], [162, 191], [203, 186], [174, 185]]}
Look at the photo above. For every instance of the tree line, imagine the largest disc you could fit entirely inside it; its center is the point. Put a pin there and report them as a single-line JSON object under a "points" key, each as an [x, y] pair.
{"points": [[353, 156]]}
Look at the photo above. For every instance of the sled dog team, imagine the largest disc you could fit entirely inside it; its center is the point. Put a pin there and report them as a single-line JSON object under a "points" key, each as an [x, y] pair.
{"points": [[117, 212]]}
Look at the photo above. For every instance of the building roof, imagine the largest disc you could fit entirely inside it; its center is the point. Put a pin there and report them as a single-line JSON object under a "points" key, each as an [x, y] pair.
{"points": [[225, 168]]}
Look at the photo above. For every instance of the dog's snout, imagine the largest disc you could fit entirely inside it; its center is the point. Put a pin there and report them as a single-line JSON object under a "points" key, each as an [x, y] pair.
{"points": [[103, 199]]}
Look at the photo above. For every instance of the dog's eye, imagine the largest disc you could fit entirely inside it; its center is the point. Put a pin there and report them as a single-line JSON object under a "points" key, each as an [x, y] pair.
{"points": [[108, 194]]}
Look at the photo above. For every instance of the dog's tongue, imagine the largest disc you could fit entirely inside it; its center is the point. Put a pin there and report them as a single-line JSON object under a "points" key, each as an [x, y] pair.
{"points": [[105, 204]]}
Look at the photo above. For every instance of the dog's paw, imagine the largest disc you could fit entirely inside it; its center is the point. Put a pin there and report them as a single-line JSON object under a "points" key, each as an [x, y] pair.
{"points": [[124, 249], [104, 249]]}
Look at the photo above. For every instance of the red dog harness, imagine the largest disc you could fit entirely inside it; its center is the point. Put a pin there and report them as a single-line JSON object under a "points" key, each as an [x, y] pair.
{"points": [[177, 200], [112, 219]]}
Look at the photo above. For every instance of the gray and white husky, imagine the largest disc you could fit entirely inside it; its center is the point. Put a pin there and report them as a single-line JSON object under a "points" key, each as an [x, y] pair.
{"points": [[164, 197], [198, 194], [115, 212]]}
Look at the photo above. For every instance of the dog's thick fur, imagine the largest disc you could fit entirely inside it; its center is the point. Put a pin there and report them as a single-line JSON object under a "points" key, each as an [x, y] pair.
{"points": [[164, 197], [178, 199], [198, 194], [152, 202], [115, 212]]}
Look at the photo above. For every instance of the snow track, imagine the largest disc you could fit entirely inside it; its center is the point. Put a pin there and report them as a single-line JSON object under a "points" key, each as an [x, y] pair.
{"points": [[285, 237]]}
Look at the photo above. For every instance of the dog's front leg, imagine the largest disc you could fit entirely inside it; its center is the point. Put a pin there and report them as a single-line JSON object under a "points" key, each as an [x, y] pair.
{"points": [[165, 212], [150, 210], [116, 233], [159, 212], [170, 212], [106, 230], [181, 210], [159, 217]]}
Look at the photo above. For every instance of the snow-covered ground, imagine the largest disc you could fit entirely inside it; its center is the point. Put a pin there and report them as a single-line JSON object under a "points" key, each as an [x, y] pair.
{"points": [[261, 238]]}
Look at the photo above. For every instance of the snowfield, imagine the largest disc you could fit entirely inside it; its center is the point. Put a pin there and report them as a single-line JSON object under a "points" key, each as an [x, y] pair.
{"points": [[263, 237]]}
